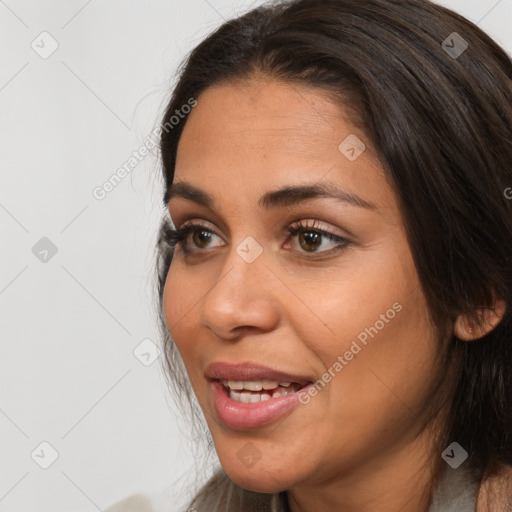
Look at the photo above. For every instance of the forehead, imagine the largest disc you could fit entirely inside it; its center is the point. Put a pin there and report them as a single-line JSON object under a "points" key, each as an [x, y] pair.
{"points": [[263, 134], [265, 114]]}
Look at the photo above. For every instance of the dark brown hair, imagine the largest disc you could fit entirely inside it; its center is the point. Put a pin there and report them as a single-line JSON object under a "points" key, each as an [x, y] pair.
{"points": [[441, 126]]}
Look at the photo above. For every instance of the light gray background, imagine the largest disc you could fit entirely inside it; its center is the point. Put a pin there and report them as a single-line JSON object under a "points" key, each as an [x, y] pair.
{"points": [[69, 326]]}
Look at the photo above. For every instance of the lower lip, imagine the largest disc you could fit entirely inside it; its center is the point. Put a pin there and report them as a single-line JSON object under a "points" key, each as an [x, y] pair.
{"points": [[241, 415]]}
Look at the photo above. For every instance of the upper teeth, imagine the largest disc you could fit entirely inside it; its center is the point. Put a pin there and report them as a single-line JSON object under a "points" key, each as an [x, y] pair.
{"points": [[254, 385]]}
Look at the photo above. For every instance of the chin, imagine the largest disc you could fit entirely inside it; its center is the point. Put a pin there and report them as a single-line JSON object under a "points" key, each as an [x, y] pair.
{"points": [[259, 480], [267, 475]]}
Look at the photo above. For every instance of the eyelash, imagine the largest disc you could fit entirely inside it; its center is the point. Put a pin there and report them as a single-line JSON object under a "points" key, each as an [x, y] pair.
{"points": [[176, 236]]}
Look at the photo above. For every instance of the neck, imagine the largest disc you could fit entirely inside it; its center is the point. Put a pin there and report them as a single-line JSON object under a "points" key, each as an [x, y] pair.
{"points": [[401, 480]]}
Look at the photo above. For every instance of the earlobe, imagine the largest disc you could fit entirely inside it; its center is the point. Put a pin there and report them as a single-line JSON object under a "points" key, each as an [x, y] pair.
{"points": [[466, 330]]}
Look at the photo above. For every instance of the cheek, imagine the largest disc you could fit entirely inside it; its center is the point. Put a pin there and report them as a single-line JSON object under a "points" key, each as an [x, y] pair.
{"points": [[340, 303], [169, 305], [380, 328], [388, 382], [351, 307], [176, 300], [181, 303]]}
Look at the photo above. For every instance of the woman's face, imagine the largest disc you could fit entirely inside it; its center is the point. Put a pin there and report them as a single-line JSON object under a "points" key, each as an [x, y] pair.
{"points": [[248, 302]]}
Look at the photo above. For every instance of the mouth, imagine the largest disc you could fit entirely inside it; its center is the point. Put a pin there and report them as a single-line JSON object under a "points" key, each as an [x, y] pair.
{"points": [[248, 396]]}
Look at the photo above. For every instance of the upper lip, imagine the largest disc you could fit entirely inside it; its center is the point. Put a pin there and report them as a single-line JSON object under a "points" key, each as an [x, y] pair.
{"points": [[250, 371]]}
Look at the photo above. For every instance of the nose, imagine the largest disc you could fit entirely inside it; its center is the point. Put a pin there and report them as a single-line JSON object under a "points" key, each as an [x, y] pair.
{"points": [[244, 296]]}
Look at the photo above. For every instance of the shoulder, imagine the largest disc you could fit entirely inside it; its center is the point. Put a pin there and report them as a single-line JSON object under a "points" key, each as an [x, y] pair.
{"points": [[133, 503], [495, 493]]}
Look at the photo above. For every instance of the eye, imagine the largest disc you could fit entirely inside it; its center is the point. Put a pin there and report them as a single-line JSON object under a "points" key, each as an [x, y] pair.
{"points": [[310, 238], [201, 235]]}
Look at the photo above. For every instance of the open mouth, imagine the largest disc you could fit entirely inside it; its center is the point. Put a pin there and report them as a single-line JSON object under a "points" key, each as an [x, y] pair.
{"points": [[253, 391]]}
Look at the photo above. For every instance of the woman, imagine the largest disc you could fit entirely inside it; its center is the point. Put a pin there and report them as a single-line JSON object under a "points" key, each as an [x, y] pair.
{"points": [[335, 286]]}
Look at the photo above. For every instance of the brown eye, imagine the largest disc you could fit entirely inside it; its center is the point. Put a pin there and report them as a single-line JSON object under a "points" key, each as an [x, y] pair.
{"points": [[310, 240], [201, 238]]}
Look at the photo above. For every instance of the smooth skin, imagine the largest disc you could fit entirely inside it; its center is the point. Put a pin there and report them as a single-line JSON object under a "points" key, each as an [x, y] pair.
{"points": [[360, 445]]}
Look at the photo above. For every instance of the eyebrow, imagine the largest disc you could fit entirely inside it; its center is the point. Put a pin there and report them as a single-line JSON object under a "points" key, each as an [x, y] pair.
{"points": [[283, 197]]}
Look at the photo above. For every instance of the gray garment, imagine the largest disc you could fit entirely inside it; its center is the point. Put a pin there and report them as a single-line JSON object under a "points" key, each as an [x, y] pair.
{"points": [[134, 503], [456, 492]]}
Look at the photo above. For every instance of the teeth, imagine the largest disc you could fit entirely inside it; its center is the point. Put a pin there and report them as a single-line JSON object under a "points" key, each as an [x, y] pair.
{"points": [[270, 384], [254, 398], [254, 385], [235, 396], [248, 397], [234, 384]]}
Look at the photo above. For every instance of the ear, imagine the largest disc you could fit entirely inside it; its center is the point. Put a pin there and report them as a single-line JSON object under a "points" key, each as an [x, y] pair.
{"points": [[466, 330]]}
